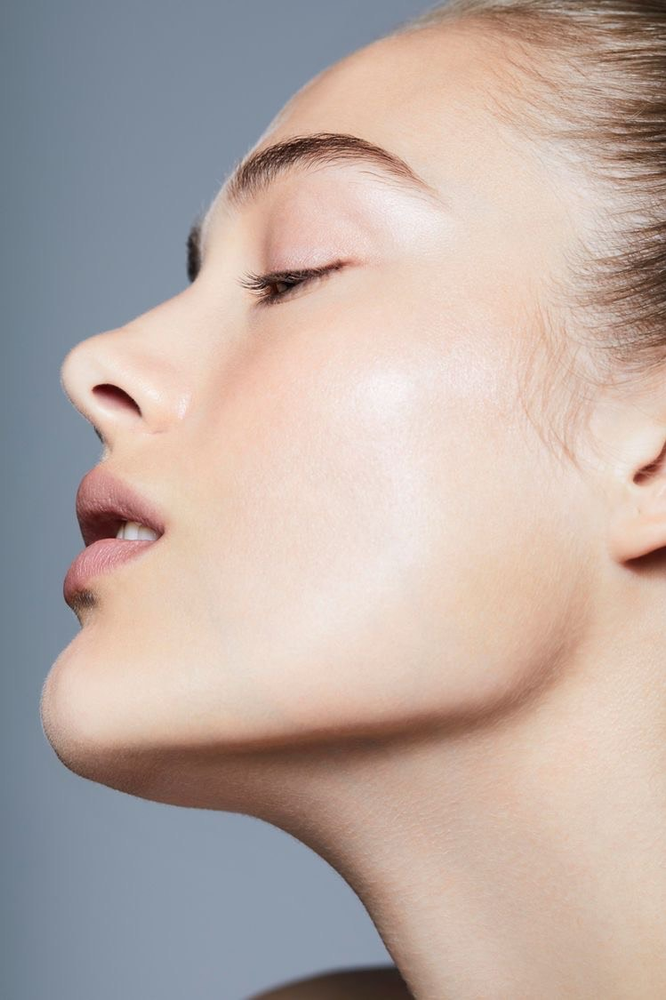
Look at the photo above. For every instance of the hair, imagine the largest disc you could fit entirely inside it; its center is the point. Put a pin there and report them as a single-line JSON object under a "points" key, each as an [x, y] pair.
{"points": [[596, 93]]}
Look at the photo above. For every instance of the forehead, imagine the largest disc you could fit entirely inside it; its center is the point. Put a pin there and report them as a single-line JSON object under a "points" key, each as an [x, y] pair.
{"points": [[398, 73], [424, 96], [427, 97]]}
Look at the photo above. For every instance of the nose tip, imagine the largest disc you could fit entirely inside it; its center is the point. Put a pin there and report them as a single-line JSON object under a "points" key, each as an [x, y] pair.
{"points": [[78, 378], [64, 375], [77, 372], [76, 395], [87, 386], [127, 381]]}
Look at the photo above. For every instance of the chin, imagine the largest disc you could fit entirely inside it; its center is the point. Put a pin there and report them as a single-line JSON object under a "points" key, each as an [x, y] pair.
{"points": [[79, 730]]}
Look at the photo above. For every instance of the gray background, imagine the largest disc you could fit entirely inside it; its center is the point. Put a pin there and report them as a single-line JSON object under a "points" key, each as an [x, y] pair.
{"points": [[119, 122]]}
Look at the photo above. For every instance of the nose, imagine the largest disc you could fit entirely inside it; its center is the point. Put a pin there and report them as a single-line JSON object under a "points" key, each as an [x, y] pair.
{"points": [[119, 387]]}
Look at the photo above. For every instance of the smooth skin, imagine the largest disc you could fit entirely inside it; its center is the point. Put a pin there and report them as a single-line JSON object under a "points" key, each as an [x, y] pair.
{"points": [[388, 616]]}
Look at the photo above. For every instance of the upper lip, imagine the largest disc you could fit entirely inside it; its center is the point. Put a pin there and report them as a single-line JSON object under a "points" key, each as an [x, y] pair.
{"points": [[104, 502]]}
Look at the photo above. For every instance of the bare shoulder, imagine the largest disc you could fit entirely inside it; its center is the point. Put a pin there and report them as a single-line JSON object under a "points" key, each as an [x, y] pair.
{"points": [[380, 982]]}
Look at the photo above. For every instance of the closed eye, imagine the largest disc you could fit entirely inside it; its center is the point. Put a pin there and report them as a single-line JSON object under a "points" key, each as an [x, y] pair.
{"points": [[267, 286]]}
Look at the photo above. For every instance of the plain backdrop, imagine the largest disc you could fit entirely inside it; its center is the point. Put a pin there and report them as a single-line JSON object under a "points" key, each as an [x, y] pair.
{"points": [[120, 120]]}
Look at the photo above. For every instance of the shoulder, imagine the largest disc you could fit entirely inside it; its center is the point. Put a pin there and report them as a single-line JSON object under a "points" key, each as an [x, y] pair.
{"points": [[381, 982]]}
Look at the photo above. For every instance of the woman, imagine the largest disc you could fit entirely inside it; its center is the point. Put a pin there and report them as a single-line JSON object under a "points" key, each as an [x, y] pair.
{"points": [[401, 442]]}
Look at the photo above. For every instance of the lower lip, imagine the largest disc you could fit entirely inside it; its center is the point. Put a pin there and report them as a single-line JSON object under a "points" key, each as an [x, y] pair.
{"points": [[101, 557]]}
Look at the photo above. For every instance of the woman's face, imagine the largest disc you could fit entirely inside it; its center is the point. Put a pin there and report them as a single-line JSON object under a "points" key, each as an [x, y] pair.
{"points": [[365, 530]]}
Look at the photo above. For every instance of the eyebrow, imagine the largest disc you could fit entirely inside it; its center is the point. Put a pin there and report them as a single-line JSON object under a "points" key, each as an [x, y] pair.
{"points": [[257, 171]]}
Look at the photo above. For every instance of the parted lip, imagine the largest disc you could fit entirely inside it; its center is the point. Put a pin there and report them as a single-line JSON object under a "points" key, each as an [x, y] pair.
{"points": [[104, 502]]}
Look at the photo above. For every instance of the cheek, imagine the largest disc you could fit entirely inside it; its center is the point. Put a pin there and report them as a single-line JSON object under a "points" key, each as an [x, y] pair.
{"points": [[371, 528]]}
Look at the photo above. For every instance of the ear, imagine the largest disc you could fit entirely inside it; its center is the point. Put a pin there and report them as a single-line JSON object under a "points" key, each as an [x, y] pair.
{"points": [[639, 523]]}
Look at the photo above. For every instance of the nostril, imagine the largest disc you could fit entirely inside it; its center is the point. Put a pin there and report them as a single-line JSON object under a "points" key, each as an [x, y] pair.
{"points": [[111, 394]]}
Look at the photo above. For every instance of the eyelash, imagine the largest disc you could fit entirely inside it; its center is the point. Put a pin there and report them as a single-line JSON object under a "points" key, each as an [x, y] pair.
{"points": [[260, 284]]}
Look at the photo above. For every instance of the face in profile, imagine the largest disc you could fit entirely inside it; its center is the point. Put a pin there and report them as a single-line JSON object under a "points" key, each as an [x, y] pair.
{"points": [[367, 531]]}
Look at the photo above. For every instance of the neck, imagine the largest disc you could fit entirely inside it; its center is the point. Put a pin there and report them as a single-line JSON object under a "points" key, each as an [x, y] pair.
{"points": [[521, 857]]}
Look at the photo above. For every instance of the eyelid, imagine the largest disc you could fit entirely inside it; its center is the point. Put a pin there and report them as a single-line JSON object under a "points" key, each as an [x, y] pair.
{"points": [[258, 283]]}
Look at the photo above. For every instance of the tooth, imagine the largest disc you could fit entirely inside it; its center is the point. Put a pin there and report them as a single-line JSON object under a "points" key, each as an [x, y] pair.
{"points": [[146, 532], [132, 531]]}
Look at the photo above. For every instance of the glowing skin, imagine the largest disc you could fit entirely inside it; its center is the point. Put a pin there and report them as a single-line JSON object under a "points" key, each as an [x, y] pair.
{"points": [[387, 616]]}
